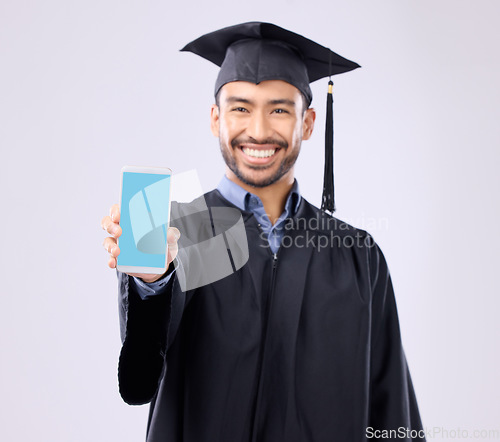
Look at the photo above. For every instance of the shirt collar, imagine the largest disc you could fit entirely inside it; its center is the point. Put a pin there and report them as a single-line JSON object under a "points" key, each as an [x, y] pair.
{"points": [[239, 197]]}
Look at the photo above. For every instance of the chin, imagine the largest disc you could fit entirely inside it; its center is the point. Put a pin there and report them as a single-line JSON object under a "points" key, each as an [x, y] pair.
{"points": [[258, 181]]}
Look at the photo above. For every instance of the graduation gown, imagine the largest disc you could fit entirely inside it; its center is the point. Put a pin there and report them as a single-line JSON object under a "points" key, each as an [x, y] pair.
{"points": [[302, 346]]}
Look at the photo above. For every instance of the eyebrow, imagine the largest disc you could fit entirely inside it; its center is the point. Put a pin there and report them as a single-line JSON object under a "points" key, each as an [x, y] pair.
{"points": [[285, 101], [234, 99]]}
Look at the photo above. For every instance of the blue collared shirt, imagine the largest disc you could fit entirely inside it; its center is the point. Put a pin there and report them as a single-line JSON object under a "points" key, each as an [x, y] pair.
{"points": [[249, 202]]}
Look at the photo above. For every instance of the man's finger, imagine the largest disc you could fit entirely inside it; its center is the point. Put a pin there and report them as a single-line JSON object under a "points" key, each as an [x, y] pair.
{"points": [[105, 222], [112, 263], [114, 213], [173, 235], [111, 247], [111, 227]]}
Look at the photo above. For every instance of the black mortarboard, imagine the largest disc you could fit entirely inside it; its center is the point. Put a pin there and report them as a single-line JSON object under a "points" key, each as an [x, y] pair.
{"points": [[256, 52]]}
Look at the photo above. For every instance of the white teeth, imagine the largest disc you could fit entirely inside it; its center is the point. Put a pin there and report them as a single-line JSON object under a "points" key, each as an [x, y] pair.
{"points": [[259, 153]]}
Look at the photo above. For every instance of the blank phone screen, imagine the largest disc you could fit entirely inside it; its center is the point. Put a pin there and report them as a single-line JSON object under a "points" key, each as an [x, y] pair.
{"points": [[144, 219]]}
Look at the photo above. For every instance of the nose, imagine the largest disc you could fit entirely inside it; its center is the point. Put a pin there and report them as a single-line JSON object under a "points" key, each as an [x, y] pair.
{"points": [[259, 127]]}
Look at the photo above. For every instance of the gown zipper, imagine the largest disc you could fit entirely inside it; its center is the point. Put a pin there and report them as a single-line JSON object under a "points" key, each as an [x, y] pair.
{"points": [[265, 321]]}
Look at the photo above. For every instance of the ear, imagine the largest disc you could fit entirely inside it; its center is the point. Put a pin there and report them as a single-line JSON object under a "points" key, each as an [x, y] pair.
{"points": [[308, 123], [214, 120]]}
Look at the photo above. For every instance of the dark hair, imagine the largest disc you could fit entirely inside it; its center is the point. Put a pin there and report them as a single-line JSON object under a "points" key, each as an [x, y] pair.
{"points": [[305, 104]]}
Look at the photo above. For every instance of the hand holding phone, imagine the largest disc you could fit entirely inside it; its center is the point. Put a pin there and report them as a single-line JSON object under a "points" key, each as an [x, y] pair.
{"points": [[145, 210], [111, 224]]}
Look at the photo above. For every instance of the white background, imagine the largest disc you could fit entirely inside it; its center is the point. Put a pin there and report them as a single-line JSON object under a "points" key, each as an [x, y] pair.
{"points": [[89, 86]]}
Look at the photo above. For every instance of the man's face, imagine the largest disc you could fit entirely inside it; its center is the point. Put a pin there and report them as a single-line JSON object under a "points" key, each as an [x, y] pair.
{"points": [[260, 129]]}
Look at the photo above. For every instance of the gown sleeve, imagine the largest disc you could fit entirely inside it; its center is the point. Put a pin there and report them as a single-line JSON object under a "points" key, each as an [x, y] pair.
{"points": [[393, 404], [147, 327]]}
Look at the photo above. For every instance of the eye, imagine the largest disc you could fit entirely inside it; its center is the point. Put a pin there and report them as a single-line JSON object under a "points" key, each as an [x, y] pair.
{"points": [[280, 111], [239, 109]]}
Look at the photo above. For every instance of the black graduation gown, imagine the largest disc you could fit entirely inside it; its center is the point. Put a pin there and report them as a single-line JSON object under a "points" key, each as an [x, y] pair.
{"points": [[304, 348]]}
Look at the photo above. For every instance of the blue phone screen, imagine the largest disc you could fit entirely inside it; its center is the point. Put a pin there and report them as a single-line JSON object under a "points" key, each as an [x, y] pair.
{"points": [[144, 219]]}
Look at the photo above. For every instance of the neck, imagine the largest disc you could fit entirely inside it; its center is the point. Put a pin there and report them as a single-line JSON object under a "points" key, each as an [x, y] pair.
{"points": [[273, 197]]}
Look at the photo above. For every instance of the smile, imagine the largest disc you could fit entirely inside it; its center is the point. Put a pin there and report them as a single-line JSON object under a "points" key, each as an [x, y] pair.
{"points": [[258, 153]]}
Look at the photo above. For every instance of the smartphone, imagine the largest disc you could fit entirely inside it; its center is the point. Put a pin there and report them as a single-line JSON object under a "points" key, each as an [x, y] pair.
{"points": [[144, 219]]}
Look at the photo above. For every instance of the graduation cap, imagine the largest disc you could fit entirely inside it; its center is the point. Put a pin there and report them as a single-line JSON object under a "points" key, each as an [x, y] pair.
{"points": [[257, 51]]}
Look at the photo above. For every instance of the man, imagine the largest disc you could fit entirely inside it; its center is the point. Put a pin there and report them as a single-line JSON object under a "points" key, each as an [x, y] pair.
{"points": [[302, 343]]}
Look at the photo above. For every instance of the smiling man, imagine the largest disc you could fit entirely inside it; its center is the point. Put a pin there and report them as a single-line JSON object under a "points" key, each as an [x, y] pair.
{"points": [[260, 129], [302, 343]]}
